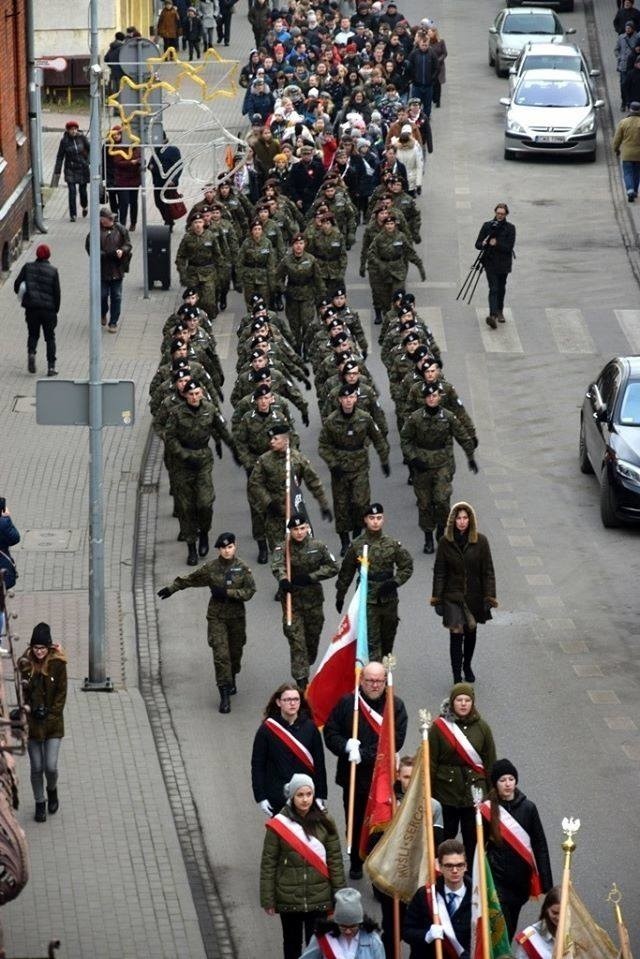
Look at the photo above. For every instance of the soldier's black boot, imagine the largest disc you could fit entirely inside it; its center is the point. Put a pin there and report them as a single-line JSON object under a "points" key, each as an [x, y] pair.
{"points": [[223, 302], [52, 803], [302, 683], [225, 702], [263, 552], [468, 651], [192, 555], [345, 542], [31, 366], [203, 543], [233, 689], [378, 318], [455, 653], [41, 812], [428, 542]]}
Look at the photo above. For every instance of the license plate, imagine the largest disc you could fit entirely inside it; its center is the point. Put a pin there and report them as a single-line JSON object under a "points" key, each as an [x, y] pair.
{"points": [[548, 139]]}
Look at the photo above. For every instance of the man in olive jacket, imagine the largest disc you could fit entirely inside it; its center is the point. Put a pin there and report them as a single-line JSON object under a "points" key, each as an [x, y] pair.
{"points": [[41, 302], [626, 144]]}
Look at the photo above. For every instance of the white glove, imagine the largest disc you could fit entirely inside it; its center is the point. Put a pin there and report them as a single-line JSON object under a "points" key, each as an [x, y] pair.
{"points": [[352, 750], [321, 804], [265, 806], [435, 932]]}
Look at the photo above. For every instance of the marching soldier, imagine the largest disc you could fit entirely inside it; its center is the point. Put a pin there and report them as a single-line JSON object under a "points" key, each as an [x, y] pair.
{"points": [[341, 207], [272, 230], [250, 380], [427, 445], [236, 204], [343, 445], [247, 404], [300, 272], [310, 563], [390, 566], [329, 249], [388, 259], [232, 585], [224, 230], [349, 316], [367, 396], [429, 370], [256, 265], [181, 358], [406, 205], [196, 261]]}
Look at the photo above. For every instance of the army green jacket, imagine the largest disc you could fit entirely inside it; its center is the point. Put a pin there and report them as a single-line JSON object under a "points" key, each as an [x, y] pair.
{"points": [[232, 574], [256, 263], [412, 390], [189, 429], [330, 252], [311, 562], [267, 483], [389, 256], [451, 778], [300, 277], [251, 435], [388, 560], [195, 253], [344, 441], [162, 383], [428, 438], [280, 384], [367, 401]]}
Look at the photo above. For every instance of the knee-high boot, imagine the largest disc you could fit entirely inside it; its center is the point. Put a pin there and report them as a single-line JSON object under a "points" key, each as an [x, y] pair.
{"points": [[455, 652], [468, 650]]}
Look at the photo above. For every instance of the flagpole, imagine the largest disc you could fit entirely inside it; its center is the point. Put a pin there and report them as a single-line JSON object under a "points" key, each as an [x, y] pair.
{"points": [[425, 723], [287, 534], [361, 632], [569, 827], [390, 662], [476, 793], [615, 898]]}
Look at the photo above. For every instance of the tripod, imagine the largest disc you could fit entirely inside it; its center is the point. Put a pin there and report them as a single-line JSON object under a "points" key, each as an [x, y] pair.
{"points": [[472, 279]]}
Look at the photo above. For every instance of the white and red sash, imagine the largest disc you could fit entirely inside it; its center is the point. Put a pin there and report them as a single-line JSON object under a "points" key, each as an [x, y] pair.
{"points": [[372, 717], [299, 751], [310, 848], [518, 838], [331, 947], [451, 945], [535, 945], [457, 739]]}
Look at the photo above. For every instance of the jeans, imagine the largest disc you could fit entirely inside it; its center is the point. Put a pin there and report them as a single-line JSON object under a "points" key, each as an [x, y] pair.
{"points": [[111, 294], [631, 174], [128, 205], [497, 287], [43, 756], [84, 202], [42, 320], [223, 26], [294, 925], [424, 92]]}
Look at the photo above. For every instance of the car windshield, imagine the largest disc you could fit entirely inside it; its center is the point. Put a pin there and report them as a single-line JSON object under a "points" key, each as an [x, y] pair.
{"points": [[551, 93], [551, 62], [530, 23], [630, 409]]}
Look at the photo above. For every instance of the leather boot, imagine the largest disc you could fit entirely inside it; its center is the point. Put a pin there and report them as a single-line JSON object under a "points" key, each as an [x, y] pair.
{"points": [[233, 689], [455, 653], [31, 362], [468, 651], [192, 555], [52, 371], [263, 552], [41, 812], [203, 543], [53, 803], [428, 542], [223, 302], [378, 318], [500, 317], [225, 703], [492, 321], [345, 542]]}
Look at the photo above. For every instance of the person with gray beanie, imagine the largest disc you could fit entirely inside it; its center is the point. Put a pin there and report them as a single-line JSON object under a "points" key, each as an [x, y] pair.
{"points": [[349, 933]]}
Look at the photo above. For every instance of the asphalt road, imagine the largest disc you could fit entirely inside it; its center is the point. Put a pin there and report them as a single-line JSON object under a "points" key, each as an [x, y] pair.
{"points": [[558, 669]]}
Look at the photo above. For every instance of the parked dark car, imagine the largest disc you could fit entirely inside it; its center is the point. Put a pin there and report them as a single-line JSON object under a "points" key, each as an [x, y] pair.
{"points": [[610, 439]]}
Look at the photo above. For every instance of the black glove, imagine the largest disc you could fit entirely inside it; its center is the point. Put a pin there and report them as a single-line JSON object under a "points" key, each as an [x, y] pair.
{"points": [[418, 465], [218, 592], [236, 458], [218, 448], [364, 354], [301, 579], [307, 384], [388, 588], [475, 442], [274, 510], [248, 470], [220, 395], [487, 606], [473, 466], [386, 469], [419, 190], [164, 593], [336, 472], [326, 514], [285, 586], [439, 608], [305, 419], [339, 603], [305, 370]]}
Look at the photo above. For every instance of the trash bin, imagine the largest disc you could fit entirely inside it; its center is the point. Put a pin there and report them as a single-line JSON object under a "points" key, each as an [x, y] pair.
{"points": [[159, 256]]}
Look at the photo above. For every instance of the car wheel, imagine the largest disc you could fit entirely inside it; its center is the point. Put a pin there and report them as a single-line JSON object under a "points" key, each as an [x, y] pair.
{"points": [[607, 506], [510, 155], [491, 60], [590, 157], [583, 460], [499, 72]]}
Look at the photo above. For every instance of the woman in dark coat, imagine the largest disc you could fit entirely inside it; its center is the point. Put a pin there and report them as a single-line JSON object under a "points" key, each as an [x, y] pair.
{"points": [[73, 154], [464, 586], [127, 174], [41, 302], [515, 879], [43, 671]]}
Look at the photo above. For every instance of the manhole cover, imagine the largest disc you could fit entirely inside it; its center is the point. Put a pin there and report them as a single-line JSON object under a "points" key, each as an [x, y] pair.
{"points": [[52, 540], [24, 404]]}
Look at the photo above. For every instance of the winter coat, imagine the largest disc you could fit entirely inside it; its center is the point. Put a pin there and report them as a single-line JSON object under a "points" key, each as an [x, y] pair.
{"points": [[45, 684], [9, 536], [439, 47], [126, 173], [464, 574], [366, 181], [207, 11], [73, 152], [43, 287], [424, 66], [111, 58], [411, 156], [499, 258], [623, 15], [255, 102], [192, 30], [624, 49], [288, 883], [169, 24], [631, 85], [626, 140], [418, 919], [510, 871], [369, 946], [113, 238], [273, 764], [451, 778], [258, 17]]}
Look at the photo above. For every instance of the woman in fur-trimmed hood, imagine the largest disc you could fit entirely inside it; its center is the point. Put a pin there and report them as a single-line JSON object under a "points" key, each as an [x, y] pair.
{"points": [[464, 586]]}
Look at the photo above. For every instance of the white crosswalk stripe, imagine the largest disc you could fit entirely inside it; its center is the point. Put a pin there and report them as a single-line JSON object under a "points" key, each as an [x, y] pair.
{"points": [[570, 332], [503, 340], [629, 320]]}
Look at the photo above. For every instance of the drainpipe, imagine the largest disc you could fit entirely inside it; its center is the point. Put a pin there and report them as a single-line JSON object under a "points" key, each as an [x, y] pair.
{"points": [[35, 140]]}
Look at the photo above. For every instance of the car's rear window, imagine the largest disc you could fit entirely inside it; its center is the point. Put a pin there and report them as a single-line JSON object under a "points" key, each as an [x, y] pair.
{"points": [[530, 23], [630, 409], [551, 62]]}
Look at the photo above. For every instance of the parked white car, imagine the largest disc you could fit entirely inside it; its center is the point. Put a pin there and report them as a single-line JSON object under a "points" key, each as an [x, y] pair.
{"points": [[514, 29], [549, 56]]}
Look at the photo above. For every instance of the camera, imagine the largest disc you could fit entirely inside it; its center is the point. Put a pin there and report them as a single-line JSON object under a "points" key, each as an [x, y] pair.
{"points": [[40, 713], [493, 227]]}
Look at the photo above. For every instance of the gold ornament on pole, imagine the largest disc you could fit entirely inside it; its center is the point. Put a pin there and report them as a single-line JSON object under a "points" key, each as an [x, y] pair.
{"points": [[570, 827], [425, 724], [615, 898]]}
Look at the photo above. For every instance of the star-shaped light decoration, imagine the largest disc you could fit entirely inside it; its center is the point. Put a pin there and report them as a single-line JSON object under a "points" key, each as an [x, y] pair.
{"points": [[213, 77]]}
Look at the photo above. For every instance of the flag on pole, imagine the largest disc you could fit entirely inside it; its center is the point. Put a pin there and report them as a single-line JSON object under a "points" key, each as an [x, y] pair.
{"points": [[362, 648], [583, 936], [298, 504], [381, 802], [498, 935], [333, 678]]}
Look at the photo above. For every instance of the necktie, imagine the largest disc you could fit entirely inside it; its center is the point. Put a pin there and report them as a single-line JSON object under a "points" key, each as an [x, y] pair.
{"points": [[452, 903]]}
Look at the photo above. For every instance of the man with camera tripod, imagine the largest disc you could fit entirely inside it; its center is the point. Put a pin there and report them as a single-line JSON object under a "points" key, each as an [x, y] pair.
{"points": [[496, 240]]}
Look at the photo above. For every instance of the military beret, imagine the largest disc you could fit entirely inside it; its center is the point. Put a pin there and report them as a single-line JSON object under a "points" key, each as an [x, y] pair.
{"points": [[190, 312], [339, 291], [398, 295], [340, 338], [259, 376], [421, 353], [259, 340], [296, 520], [256, 354], [374, 509], [191, 386], [296, 237], [434, 361], [335, 323], [259, 308], [203, 209], [263, 390], [409, 298], [177, 345], [350, 367], [224, 539], [324, 302], [195, 216], [330, 314], [180, 364], [178, 330], [405, 310], [410, 338], [189, 291], [279, 429], [181, 373], [406, 325], [256, 298], [347, 390], [431, 389], [258, 324]]}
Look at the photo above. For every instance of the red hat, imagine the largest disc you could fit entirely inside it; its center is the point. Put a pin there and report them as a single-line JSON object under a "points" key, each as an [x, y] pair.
{"points": [[71, 124], [43, 252]]}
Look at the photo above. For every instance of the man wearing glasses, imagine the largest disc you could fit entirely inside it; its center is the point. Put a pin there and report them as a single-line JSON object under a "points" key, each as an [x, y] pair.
{"points": [[453, 894]]}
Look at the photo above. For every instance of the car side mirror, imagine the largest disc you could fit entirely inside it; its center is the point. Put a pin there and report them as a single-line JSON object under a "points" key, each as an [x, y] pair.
{"points": [[493, 30], [598, 104], [594, 73], [505, 101], [570, 30], [512, 71]]}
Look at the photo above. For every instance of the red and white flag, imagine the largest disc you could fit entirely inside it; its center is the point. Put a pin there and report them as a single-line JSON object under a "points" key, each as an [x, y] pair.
{"points": [[333, 678]]}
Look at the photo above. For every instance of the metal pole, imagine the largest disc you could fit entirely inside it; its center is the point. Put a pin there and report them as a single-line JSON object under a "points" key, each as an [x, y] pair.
{"points": [[35, 120], [97, 679], [144, 127]]}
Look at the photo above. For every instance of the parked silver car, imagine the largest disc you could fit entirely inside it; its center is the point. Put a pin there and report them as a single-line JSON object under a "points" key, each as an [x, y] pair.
{"points": [[514, 29], [549, 56], [551, 112]]}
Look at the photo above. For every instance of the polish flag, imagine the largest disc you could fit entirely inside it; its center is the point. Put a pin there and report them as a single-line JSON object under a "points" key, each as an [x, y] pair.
{"points": [[333, 678]]}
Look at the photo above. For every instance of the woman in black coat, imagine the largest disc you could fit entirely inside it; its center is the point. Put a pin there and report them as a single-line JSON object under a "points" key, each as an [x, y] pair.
{"points": [[514, 878], [73, 154], [464, 586], [41, 302]]}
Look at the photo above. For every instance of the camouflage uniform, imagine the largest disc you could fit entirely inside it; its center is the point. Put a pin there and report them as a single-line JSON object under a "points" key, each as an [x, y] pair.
{"points": [[187, 437], [427, 445], [331, 253], [343, 445], [388, 260], [449, 401], [304, 286], [373, 229], [256, 269], [239, 213], [394, 335], [247, 404], [162, 384], [227, 238], [311, 562], [276, 320], [352, 320], [273, 232], [226, 618], [280, 384], [197, 262], [406, 205], [367, 401], [267, 489], [390, 563]]}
